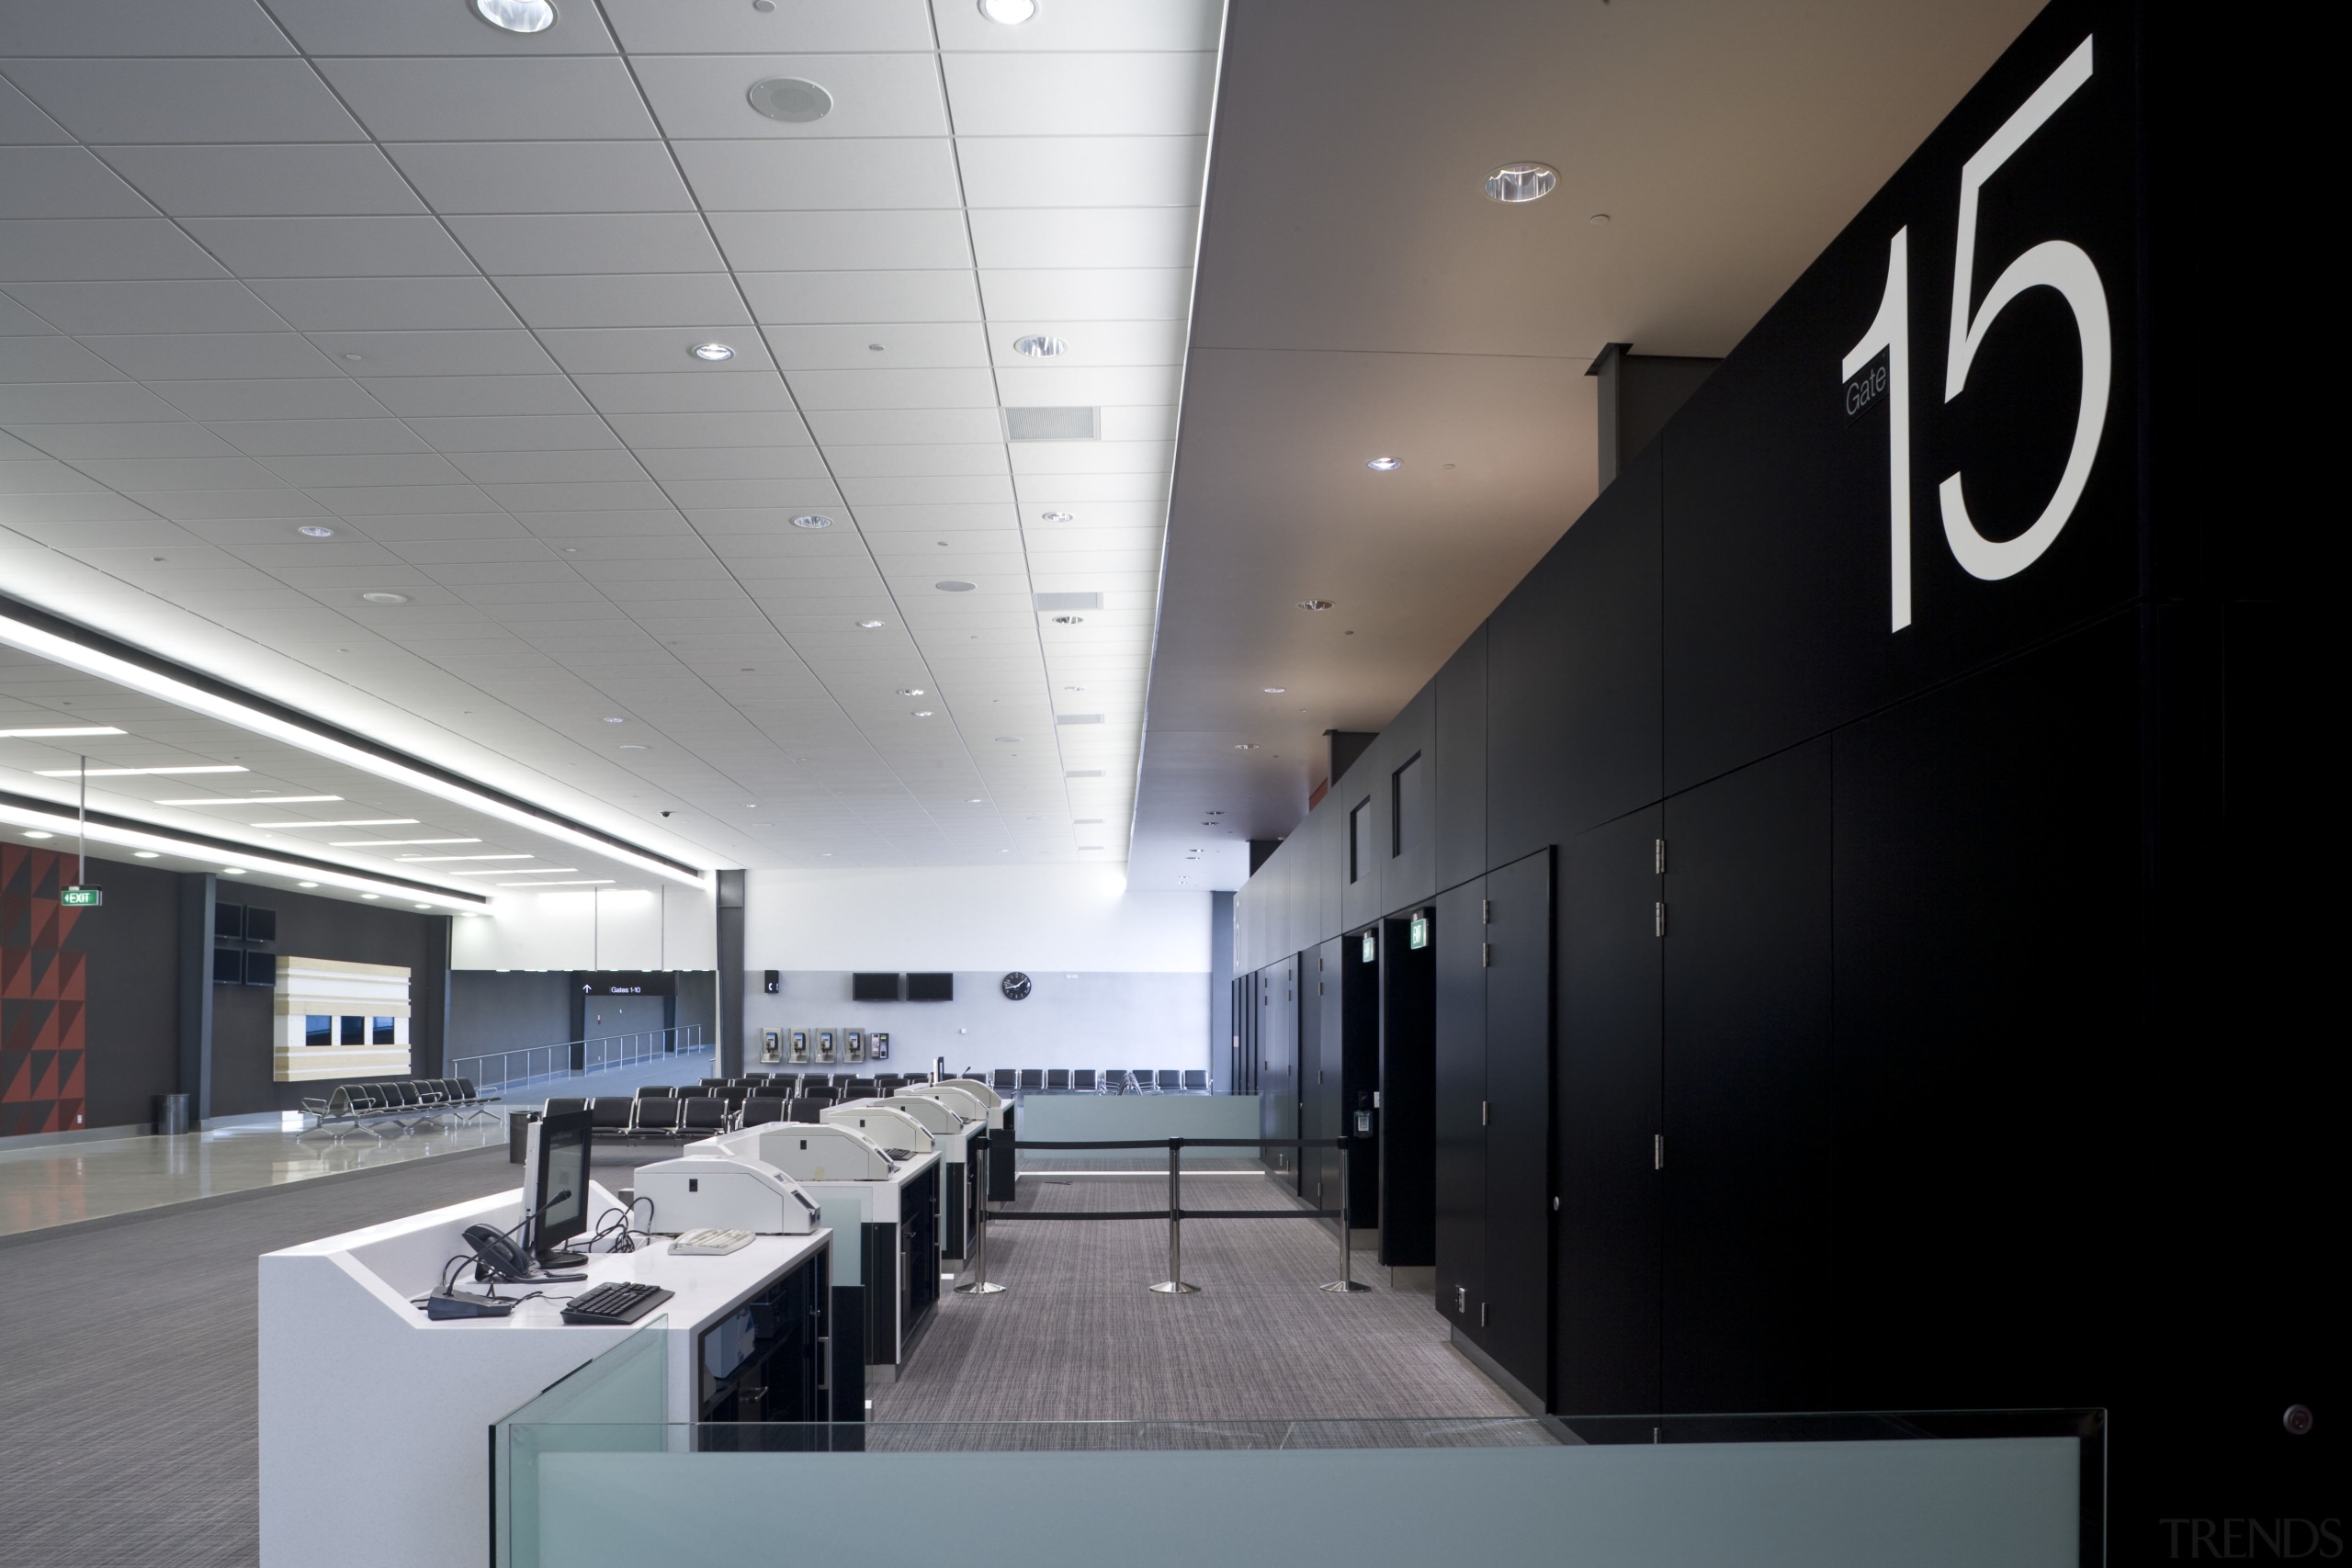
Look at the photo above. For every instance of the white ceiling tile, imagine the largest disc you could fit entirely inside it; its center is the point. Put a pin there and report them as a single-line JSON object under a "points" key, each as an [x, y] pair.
{"points": [[437, 353], [63, 182], [272, 508], [685, 392], [98, 534], [886, 427], [590, 242], [458, 395], [682, 299], [1034, 458], [1090, 343], [395, 526], [337, 27], [642, 522], [1127, 421], [375, 468], [828, 241], [903, 346], [705, 96], [1076, 171], [179, 473], [180, 438], [333, 437], [142, 27], [673, 26], [21, 475], [331, 247], [258, 181], [923, 492], [544, 176], [173, 356], [21, 124], [1102, 237], [878, 519], [190, 305], [1067, 490], [894, 389], [579, 98], [561, 466], [1085, 384], [18, 322], [515, 433], [587, 497], [795, 296], [401, 500], [648, 431], [383, 304], [83, 249], [185, 101], [1157, 93], [603, 350], [326, 397], [772, 174], [25, 359], [1105, 294], [688, 463], [860, 462], [718, 524], [701, 497]]}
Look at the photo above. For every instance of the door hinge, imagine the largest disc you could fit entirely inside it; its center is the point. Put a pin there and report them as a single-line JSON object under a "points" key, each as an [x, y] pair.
{"points": [[1482, 1113], [1462, 1298], [1318, 987], [1486, 912], [1482, 1315], [1661, 917], [1660, 867], [1485, 955], [1658, 1151]]}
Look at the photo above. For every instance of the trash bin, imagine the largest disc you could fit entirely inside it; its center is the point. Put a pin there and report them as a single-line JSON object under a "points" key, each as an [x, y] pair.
{"points": [[518, 1136], [171, 1116]]}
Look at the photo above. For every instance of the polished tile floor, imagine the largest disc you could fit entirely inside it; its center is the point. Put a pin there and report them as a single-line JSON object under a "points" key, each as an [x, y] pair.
{"points": [[58, 1184]]}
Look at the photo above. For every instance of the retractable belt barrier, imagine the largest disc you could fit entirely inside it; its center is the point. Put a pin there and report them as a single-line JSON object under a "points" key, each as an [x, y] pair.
{"points": [[1175, 1213]]}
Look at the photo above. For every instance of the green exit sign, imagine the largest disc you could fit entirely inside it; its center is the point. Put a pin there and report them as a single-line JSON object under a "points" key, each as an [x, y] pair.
{"points": [[1418, 931], [87, 898]]}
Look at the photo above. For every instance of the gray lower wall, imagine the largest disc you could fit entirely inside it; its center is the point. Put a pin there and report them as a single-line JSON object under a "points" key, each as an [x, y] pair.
{"points": [[509, 1009], [1099, 1019]]}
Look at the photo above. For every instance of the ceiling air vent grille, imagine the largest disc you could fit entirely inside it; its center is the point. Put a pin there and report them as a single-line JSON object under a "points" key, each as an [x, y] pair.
{"points": [[1069, 600], [1078, 718], [1083, 774], [1053, 424]]}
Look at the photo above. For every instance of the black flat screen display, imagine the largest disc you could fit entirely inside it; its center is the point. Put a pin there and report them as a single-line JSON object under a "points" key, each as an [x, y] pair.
{"points": [[865, 988], [930, 987]]}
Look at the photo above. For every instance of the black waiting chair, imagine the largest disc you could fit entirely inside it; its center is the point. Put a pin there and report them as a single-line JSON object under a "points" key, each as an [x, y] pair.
{"points": [[565, 1107], [1114, 1080], [859, 1089], [478, 1104], [655, 1114], [1196, 1080], [1171, 1080], [815, 1080], [807, 1110], [760, 1110], [611, 1113], [1033, 1080], [703, 1114], [734, 1095], [1081, 1080], [714, 1083], [653, 1092], [1057, 1080], [1003, 1081], [773, 1092], [820, 1096], [890, 1080]]}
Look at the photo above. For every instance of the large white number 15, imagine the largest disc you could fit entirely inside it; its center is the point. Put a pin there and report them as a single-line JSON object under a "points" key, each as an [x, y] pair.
{"points": [[2054, 264]]}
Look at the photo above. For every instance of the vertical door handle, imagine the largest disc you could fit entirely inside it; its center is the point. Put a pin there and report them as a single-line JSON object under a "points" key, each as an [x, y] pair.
{"points": [[1482, 1113]]}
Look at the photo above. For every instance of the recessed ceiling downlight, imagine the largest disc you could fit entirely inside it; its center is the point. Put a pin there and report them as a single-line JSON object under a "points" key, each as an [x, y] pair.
{"points": [[790, 99], [812, 520], [385, 598], [1521, 182], [1057, 518], [869, 626], [954, 585], [516, 15], [1386, 465], [1038, 345], [715, 353], [315, 531], [1008, 12], [1315, 603]]}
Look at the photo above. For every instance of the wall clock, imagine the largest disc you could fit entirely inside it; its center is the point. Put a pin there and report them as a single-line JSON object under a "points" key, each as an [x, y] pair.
{"points": [[1014, 985]]}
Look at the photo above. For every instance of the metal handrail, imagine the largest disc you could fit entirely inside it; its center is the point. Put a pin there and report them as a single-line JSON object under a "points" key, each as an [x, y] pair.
{"points": [[498, 1070]]}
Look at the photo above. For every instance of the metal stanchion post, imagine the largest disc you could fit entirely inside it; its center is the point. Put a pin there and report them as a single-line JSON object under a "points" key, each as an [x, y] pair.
{"points": [[980, 1285], [1174, 1284], [1346, 1283]]}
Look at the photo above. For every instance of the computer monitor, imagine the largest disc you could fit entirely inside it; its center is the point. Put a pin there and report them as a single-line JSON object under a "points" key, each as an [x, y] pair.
{"points": [[558, 1193]]}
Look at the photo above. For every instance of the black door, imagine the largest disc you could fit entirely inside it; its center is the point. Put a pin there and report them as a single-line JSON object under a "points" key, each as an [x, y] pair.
{"points": [[1605, 1094], [1746, 1155], [1360, 968], [1320, 1049], [1405, 1119], [1278, 1066], [1517, 1308], [1461, 1080]]}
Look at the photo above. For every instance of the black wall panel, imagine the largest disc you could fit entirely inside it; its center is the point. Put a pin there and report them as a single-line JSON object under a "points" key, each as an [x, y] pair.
{"points": [[133, 1020], [1519, 1120], [1321, 1052], [1461, 1084], [1987, 951], [1408, 1111], [1747, 1089], [1356, 982], [1572, 677], [1458, 790], [1606, 1087], [1278, 1065]]}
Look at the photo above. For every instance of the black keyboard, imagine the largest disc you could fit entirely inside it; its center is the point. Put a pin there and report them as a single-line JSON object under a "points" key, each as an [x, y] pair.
{"points": [[620, 1302]]}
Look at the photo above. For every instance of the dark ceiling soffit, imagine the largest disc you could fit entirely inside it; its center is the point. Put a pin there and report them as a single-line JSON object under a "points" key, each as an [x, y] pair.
{"points": [[227, 846], [100, 642]]}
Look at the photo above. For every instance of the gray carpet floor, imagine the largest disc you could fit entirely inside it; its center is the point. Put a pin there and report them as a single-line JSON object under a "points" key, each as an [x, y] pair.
{"points": [[1078, 1337], [129, 1369]]}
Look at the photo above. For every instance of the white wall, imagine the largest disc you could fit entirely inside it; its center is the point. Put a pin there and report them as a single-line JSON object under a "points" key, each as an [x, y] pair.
{"points": [[1119, 980], [665, 928], [1003, 918]]}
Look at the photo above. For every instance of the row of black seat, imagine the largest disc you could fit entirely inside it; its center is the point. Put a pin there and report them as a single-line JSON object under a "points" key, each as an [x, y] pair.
{"points": [[693, 1116], [407, 1101], [1110, 1080]]}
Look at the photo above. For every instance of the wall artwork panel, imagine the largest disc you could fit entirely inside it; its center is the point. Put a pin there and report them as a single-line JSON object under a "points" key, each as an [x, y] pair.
{"points": [[42, 992]]}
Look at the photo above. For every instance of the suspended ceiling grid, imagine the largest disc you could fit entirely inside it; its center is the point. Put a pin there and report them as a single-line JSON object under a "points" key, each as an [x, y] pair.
{"points": [[389, 271]]}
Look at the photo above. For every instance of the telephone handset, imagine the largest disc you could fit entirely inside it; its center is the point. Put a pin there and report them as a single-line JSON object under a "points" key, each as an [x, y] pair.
{"points": [[496, 1256]]}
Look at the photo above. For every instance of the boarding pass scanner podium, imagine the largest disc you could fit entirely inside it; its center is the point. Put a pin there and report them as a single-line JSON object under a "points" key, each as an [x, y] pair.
{"points": [[722, 1192], [954, 1121], [883, 1214], [998, 1175], [899, 1132]]}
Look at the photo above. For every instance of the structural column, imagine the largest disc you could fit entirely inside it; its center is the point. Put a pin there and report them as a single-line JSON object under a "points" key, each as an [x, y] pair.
{"points": [[197, 891], [730, 972]]}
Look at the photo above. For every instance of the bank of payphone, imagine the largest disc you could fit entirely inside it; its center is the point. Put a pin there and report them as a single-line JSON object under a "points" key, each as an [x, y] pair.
{"points": [[825, 1038], [798, 1044], [771, 1046], [878, 1045], [853, 1044]]}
